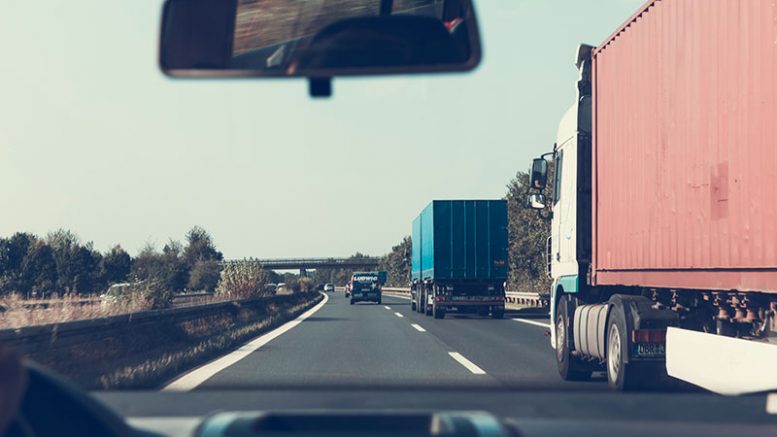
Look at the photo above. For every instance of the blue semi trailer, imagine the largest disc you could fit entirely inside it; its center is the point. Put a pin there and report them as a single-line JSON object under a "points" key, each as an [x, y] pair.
{"points": [[460, 258]]}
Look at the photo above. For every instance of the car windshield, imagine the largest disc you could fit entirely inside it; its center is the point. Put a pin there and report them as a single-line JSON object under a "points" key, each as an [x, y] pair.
{"points": [[162, 224]]}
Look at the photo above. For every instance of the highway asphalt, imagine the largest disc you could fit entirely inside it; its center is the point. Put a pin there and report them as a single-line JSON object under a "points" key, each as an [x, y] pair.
{"points": [[389, 345], [387, 357]]}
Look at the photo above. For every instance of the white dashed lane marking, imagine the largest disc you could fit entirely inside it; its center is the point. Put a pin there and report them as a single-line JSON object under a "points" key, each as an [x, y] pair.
{"points": [[472, 367]]}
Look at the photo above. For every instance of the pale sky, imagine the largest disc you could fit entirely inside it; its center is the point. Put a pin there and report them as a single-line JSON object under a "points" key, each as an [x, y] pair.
{"points": [[93, 138]]}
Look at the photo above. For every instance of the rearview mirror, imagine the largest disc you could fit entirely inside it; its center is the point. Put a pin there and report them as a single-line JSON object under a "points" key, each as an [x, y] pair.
{"points": [[539, 174], [317, 39], [536, 201]]}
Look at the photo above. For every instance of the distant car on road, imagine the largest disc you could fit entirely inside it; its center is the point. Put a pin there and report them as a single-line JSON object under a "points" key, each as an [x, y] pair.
{"points": [[366, 286], [329, 287]]}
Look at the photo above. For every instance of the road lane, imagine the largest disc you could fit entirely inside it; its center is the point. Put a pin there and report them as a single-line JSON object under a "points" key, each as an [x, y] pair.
{"points": [[390, 345], [517, 354], [354, 345], [196, 377]]}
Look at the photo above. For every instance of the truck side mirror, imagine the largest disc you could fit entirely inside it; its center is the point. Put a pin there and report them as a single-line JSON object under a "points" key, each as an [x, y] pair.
{"points": [[536, 201], [539, 174]]}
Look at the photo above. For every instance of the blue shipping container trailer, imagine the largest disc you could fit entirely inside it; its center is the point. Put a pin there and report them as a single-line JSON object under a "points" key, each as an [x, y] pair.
{"points": [[459, 259]]}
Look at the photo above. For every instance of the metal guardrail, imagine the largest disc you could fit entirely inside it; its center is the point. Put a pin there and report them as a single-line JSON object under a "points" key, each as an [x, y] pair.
{"points": [[514, 297], [181, 299], [396, 290], [48, 303]]}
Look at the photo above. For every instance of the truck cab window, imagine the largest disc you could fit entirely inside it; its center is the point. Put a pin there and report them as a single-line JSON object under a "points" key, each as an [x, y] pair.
{"points": [[557, 177]]}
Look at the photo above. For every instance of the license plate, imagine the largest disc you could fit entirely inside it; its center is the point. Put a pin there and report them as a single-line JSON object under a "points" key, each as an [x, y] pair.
{"points": [[649, 350]]}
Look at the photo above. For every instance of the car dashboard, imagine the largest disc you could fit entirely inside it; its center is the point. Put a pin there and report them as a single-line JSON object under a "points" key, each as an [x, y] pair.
{"points": [[439, 412]]}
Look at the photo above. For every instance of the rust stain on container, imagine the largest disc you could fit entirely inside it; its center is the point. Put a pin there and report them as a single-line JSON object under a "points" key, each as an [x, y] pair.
{"points": [[719, 191]]}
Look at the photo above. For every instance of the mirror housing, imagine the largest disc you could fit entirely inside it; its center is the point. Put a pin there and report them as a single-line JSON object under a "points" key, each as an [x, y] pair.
{"points": [[240, 38], [196, 35], [536, 201], [539, 174]]}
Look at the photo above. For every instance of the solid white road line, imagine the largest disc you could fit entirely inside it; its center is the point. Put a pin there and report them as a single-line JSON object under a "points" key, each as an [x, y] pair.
{"points": [[467, 363], [201, 374], [386, 307], [418, 327], [534, 322], [399, 315]]}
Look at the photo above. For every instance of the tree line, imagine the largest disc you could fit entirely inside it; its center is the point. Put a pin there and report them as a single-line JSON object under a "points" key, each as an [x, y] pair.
{"points": [[59, 264]]}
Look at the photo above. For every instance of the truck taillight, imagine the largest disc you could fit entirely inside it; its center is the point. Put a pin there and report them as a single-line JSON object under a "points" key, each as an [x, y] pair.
{"points": [[648, 336], [439, 298]]}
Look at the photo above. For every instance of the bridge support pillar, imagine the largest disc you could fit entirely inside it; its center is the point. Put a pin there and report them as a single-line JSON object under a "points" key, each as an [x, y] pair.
{"points": [[303, 273]]}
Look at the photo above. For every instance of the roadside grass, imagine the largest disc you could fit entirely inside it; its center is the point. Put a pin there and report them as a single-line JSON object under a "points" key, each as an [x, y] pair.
{"points": [[17, 312], [143, 354], [198, 342]]}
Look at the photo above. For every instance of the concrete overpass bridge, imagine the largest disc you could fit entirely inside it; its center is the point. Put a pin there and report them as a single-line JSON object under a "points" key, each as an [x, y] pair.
{"points": [[305, 264]]}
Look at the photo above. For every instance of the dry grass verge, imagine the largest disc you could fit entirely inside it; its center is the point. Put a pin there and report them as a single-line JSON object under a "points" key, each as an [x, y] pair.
{"points": [[18, 312], [145, 354]]}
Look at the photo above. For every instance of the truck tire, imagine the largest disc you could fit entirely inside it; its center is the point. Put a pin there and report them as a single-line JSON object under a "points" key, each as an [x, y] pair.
{"points": [[569, 367], [380, 301], [413, 306], [621, 376], [351, 301], [428, 309], [498, 313], [439, 312]]}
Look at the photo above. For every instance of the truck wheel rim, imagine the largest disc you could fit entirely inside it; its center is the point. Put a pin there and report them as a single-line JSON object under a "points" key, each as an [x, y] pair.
{"points": [[614, 353], [561, 340]]}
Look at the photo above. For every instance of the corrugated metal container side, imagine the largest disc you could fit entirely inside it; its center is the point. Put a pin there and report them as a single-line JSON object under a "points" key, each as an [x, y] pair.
{"points": [[685, 148], [415, 268], [427, 241], [461, 239]]}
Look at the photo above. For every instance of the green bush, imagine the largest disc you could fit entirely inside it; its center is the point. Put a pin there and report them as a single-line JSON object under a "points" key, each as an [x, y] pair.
{"points": [[242, 280], [204, 275]]}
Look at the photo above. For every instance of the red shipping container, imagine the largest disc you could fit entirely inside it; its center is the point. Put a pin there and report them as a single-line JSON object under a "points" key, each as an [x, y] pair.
{"points": [[685, 148]]}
